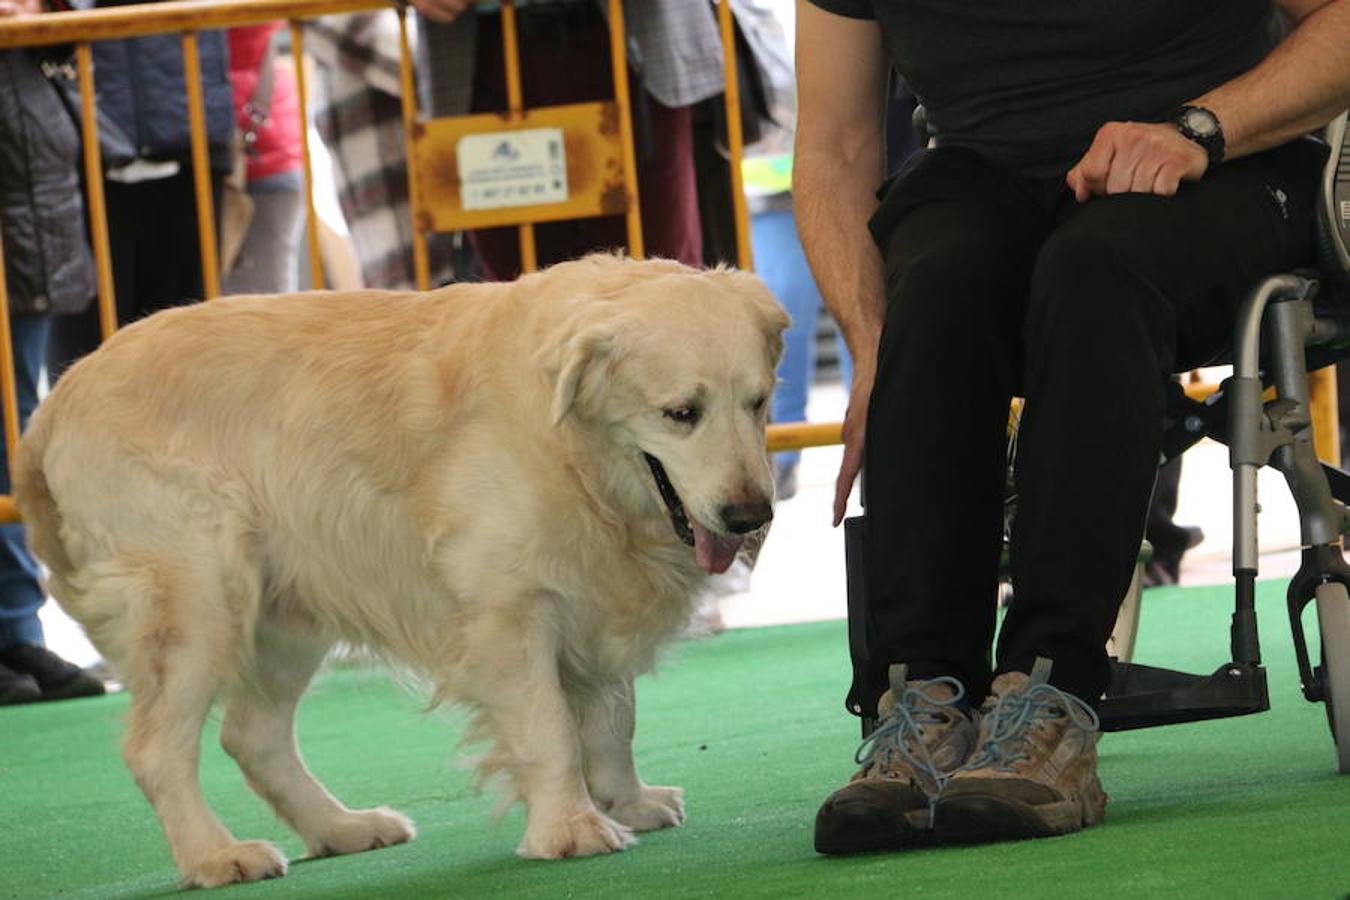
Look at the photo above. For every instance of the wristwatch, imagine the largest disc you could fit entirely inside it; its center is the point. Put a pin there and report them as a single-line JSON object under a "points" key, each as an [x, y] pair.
{"points": [[1201, 125]]}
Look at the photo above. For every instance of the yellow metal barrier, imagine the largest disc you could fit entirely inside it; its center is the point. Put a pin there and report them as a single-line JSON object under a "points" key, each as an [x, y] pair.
{"points": [[605, 128], [432, 181]]}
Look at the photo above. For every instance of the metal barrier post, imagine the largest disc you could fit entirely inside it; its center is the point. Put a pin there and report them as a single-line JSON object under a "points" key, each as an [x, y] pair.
{"points": [[93, 185], [515, 108], [201, 167], [618, 56], [8, 397], [735, 136], [411, 130], [316, 279]]}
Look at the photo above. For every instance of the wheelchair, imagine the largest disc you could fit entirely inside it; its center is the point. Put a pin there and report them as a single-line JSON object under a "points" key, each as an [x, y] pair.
{"points": [[1289, 324]]}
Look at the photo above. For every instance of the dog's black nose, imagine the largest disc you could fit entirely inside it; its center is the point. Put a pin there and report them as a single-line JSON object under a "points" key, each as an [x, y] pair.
{"points": [[742, 518]]}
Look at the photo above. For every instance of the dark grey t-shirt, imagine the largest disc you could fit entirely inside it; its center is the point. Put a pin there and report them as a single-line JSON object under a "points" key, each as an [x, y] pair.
{"points": [[1029, 82]]}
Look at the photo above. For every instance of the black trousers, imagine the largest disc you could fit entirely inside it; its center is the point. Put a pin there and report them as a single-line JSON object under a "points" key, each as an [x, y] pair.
{"points": [[156, 259], [997, 286]]}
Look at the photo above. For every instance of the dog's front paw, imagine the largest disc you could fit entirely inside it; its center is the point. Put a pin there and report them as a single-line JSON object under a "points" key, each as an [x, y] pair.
{"points": [[584, 834], [240, 861], [367, 829], [654, 807]]}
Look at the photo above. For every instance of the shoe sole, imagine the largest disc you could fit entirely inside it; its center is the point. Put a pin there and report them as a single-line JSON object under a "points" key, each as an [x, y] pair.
{"points": [[18, 696], [981, 818], [850, 837], [76, 688]]}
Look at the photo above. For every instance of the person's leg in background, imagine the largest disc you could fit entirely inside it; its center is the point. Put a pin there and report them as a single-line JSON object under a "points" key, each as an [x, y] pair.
{"points": [[156, 260], [1169, 540], [575, 40], [168, 266], [269, 258], [28, 671], [782, 264]]}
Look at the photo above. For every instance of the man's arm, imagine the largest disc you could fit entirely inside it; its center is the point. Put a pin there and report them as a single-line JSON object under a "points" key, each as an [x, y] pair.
{"points": [[839, 161], [1302, 84]]}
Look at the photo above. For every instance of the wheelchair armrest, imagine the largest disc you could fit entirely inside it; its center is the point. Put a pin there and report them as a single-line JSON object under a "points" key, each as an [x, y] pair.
{"points": [[1333, 218]]}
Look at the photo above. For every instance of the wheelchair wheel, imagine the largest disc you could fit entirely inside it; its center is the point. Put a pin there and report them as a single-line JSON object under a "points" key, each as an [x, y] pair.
{"points": [[1333, 618]]}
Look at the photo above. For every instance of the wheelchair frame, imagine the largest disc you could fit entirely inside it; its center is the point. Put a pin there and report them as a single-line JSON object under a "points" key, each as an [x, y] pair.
{"points": [[1300, 335]]}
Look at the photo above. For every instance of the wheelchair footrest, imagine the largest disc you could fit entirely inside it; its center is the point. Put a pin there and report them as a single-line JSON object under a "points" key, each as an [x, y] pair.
{"points": [[1145, 696]]}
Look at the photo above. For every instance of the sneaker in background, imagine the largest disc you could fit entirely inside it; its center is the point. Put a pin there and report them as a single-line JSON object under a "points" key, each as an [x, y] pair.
{"points": [[17, 687], [57, 679]]}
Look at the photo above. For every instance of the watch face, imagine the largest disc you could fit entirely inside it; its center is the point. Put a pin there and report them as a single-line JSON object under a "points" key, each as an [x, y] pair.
{"points": [[1200, 121]]}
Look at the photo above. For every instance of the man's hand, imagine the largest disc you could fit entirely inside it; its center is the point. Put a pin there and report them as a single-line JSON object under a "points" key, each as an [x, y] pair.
{"points": [[1136, 157], [855, 424], [13, 8], [438, 10]]}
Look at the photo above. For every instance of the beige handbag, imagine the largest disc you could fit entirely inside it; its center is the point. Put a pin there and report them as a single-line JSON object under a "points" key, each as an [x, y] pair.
{"points": [[236, 206]]}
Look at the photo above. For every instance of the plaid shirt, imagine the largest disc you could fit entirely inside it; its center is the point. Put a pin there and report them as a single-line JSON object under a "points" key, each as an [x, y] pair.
{"points": [[358, 112]]}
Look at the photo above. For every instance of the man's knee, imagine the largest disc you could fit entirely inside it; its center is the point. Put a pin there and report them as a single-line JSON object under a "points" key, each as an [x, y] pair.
{"points": [[1095, 286], [948, 288]]}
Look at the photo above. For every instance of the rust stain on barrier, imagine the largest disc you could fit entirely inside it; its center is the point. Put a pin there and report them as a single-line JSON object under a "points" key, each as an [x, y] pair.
{"points": [[609, 119], [614, 199]]}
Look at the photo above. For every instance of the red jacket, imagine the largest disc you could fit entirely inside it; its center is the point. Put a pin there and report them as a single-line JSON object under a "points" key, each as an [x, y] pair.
{"points": [[278, 144]]}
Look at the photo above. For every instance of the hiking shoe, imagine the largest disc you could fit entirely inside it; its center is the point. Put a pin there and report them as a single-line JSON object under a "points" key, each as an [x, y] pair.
{"points": [[57, 679], [1034, 772], [923, 736], [17, 687]]}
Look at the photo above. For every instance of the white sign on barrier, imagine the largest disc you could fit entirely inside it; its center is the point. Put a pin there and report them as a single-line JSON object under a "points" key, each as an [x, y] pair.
{"points": [[512, 168]]}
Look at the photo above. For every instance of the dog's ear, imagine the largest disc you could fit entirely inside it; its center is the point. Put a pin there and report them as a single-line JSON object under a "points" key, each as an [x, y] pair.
{"points": [[776, 322], [578, 367], [773, 319]]}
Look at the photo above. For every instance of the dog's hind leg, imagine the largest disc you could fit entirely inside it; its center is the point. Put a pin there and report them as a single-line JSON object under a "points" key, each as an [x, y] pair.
{"points": [[183, 638], [607, 721], [259, 732]]}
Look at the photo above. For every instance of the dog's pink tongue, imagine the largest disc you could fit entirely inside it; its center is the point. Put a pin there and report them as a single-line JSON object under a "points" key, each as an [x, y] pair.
{"points": [[713, 552]]}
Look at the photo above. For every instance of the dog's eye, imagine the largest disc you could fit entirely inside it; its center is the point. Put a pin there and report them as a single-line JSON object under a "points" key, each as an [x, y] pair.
{"points": [[685, 415], [757, 406]]}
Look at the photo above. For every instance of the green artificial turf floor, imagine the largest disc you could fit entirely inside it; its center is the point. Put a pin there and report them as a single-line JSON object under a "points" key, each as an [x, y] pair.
{"points": [[751, 724]]}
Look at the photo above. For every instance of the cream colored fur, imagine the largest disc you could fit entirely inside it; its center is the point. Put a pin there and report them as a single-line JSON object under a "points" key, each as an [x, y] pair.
{"points": [[453, 480]]}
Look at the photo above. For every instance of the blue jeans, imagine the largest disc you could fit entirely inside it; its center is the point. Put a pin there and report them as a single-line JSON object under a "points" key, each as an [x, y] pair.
{"points": [[20, 591], [782, 264]]}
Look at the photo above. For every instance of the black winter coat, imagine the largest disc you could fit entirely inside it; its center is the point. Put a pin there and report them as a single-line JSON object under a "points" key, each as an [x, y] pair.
{"points": [[48, 266]]}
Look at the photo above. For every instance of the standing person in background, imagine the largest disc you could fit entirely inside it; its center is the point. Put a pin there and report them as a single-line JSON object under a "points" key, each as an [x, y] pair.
{"points": [[151, 202], [676, 53], [358, 114], [47, 269], [267, 112]]}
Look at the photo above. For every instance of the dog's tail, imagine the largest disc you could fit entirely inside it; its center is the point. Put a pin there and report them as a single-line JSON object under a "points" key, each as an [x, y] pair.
{"points": [[37, 508]]}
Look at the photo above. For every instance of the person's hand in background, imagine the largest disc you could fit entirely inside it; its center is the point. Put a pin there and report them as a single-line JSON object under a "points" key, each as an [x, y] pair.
{"points": [[435, 10], [10, 9]]}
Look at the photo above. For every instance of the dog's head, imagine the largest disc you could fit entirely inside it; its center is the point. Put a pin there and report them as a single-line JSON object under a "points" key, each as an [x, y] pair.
{"points": [[677, 366]]}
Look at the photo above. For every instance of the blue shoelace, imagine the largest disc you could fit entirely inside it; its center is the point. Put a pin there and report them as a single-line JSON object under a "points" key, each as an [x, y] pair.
{"points": [[907, 719], [1014, 713]]}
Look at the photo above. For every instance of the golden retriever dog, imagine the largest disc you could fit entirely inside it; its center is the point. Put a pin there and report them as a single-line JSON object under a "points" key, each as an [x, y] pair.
{"points": [[511, 490]]}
